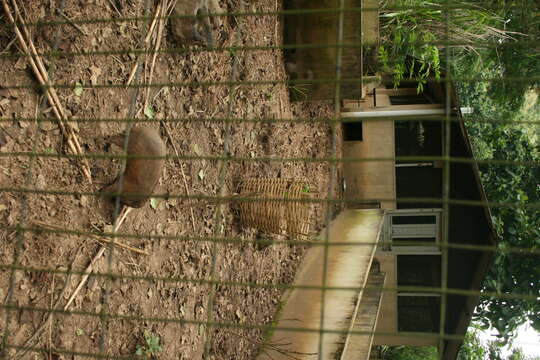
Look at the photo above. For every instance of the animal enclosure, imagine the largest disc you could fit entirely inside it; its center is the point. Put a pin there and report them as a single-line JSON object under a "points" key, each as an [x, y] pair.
{"points": [[293, 190]]}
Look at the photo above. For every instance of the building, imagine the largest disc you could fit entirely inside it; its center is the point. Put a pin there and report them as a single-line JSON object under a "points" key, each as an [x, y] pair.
{"points": [[416, 237], [395, 238]]}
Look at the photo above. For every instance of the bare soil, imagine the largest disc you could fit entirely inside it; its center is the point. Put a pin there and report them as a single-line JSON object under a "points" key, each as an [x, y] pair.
{"points": [[164, 293]]}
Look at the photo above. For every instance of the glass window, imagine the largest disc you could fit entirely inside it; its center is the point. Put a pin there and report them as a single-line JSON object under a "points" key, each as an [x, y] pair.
{"points": [[414, 219]]}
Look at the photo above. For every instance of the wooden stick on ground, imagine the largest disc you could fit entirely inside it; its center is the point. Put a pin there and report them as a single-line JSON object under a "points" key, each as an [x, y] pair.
{"points": [[95, 237], [157, 45], [90, 268], [51, 318], [80, 29], [146, 41], [41, 74], [165, 126], [22, 350]]}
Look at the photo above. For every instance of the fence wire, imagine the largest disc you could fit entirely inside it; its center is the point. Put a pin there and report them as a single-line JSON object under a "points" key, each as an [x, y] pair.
{"points": [[182, 277]]}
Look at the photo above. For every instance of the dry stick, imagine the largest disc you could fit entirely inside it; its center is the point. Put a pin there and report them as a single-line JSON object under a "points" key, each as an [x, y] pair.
{"points": [[161, 25], [152, 25], [146, 40], [23, 349], [115, 8], [95, 237], [70, 21], [43, 78], [172, 5], [276, 26], [9, 44], [90, 268], [50, 318], [165, 126], [42, 71], [31, 59], [121, 217]]}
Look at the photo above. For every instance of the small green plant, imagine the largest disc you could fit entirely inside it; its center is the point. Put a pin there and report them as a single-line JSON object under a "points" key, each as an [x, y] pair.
{"points": [[299, 91], [151, 346], [268, 95]]}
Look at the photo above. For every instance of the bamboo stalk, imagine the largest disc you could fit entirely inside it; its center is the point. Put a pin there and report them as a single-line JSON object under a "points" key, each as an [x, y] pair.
{"points": [[41, 74]]}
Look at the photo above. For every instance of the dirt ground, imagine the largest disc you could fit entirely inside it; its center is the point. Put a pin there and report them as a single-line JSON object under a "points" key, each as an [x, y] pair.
{"points": [[163, 293]]}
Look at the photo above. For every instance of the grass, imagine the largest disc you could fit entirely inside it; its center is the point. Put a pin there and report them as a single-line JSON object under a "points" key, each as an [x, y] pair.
{"points": [[151, 346], [415, 33]]}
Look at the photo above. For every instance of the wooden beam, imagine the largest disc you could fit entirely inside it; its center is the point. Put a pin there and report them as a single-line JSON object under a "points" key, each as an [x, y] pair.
{"points": [[398, 92], [406, 107]]}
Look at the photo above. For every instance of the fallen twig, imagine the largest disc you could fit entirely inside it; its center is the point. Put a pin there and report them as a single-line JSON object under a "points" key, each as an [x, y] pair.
{"points": [[81, 30], [146, 41], [115, 8], [156, 46], [51, 318], [41, 74], [25, 346], [180, 165], [90, 268], [95, 237]]}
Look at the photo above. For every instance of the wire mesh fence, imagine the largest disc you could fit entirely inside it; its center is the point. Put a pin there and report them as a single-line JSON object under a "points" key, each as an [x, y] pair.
{"points": [[149, 148]]}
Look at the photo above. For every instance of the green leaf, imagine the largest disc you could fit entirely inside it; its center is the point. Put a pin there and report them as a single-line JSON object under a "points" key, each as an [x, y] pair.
{"points": [[78, 89], [149, 112], [154, 202]]}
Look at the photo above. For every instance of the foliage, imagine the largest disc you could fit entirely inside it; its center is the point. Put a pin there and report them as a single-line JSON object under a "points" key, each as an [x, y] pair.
{"points": [[499, 133], [415, 33], [410, 54], [519, 62], [518, 354], [410, 353], [151, 346], [472, 348], [503, 128]]}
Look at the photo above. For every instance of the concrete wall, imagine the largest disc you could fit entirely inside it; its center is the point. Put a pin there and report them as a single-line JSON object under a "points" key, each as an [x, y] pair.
{"points": [[365, 178]]}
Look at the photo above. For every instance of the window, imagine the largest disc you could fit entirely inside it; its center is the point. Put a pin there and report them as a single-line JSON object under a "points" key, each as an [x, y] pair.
{"points": [[352, 131], [413, 231], [414, 219]]}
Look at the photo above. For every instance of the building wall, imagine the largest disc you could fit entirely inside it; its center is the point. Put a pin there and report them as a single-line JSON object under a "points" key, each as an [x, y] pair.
{"points": [[367, 179], [376, 179]]}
